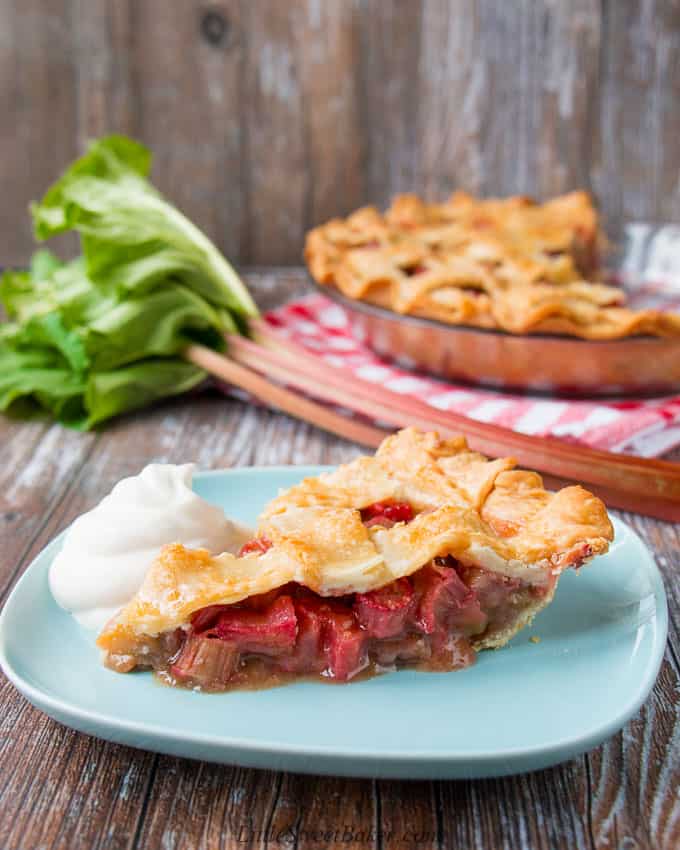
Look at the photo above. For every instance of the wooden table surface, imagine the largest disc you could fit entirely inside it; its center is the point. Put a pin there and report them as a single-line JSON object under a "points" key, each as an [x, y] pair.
{"points": [[62, 789], [268, 117]]}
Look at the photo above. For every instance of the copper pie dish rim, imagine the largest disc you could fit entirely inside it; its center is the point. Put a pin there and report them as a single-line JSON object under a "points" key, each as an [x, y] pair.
{"points": [[652, 378], [360, 304]]}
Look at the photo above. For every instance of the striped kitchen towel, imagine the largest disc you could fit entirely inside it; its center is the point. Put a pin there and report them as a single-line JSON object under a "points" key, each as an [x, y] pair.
{"points": [[648, 428]]}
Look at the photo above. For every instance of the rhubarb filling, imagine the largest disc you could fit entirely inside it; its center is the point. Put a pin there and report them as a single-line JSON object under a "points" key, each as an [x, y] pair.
{"points": [[425, 620]]}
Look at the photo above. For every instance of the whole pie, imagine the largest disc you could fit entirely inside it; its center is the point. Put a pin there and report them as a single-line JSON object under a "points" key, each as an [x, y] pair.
{"points": [[418, 556], [509, 264]]}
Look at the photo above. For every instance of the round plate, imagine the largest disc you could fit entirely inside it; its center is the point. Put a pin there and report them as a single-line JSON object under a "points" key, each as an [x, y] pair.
{"points": [[557, 365], [521, 708]]}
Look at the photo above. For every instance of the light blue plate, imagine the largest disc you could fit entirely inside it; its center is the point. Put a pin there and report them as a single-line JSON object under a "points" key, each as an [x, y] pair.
{"points": [[524, 707]]}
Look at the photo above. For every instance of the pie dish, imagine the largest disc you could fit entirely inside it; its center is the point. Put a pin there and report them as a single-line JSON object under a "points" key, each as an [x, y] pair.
{"points": [[512, 265], [418, 556]]}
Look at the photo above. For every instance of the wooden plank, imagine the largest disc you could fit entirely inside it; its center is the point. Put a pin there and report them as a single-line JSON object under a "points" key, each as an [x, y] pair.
{"points": [[327, 50], [206, 806], [65, 790], [410, 814], [390, 97], [451, 100], [38, 108], [633, 777], [275, 161], [636, 169], [663, 538], [303, 144], [540, 810], [104, 80], [540, 94], [198, 805], [39, 467], [268, 117], [187, 62], [507, 97]]}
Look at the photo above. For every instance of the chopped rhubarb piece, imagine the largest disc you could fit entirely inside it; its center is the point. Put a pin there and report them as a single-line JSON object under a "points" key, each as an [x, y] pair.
{"points": [[492, 590], [206, 618], [271, 631], [262, 601], [387, 513], [307, 655], [450, 651], [382, 521], [329, 639], [345, 645], [575, 557], [205, 661], [259, 544], [445, 601], [406, 649], [383, 613]]}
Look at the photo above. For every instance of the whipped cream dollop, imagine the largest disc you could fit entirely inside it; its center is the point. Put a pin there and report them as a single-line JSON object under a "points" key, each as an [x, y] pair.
{"points": [[108, 550]]}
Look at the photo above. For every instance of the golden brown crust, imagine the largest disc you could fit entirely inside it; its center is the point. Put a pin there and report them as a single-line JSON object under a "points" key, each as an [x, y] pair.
{"points": [[498, 638], [508, 264], [483, 512]]}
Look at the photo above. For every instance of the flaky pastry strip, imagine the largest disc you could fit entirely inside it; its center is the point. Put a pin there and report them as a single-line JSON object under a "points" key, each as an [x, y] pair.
{"points": [[507, 264]]}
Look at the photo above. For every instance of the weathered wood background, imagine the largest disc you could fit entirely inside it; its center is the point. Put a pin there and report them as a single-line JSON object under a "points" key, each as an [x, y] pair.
{"points": [[267, 116]]}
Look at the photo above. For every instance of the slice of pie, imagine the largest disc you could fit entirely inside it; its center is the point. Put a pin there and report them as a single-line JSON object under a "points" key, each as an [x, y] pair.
{"points": [[418, 557], [507, 264]]}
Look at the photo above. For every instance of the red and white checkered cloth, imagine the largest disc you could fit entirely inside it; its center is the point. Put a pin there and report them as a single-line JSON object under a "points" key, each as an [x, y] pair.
{"points": [[647, 428]]}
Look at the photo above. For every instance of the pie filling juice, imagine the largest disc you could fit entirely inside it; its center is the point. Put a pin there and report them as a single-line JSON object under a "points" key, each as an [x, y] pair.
{"points": [[424, 621]]}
